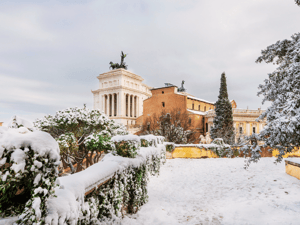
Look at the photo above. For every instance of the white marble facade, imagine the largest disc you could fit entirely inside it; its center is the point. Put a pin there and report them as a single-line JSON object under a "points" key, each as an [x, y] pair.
{"points": [[120, 95]]}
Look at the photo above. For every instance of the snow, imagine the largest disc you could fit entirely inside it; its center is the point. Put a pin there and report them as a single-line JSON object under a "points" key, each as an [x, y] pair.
{"points": [[70, 194], [129, 137], [17, 121], [206, 146], [295, 160], [199, 99], [220, 191], [197, 112], [40, 142], [8, 220]]}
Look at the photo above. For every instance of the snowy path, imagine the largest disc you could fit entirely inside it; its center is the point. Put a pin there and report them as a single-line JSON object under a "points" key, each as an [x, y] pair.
{"points": [[220, 191]]}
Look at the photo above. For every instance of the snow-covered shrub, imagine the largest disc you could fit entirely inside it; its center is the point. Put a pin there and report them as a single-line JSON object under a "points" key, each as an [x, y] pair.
{"points": [[76, 130], [126, 145], [170, 146], [28, 169], [149, 140], [17, 122], [220, 148], [115, 186]]}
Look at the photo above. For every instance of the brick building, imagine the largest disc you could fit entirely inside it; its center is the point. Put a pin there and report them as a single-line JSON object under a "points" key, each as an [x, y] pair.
{"points": [[169, 98]]}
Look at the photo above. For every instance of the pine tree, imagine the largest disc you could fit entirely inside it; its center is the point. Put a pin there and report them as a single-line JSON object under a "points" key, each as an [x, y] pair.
{"points": [[223, 121]]}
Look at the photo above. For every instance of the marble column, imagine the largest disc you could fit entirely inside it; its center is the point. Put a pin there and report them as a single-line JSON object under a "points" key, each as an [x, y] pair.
{"points": [[113, 104]]}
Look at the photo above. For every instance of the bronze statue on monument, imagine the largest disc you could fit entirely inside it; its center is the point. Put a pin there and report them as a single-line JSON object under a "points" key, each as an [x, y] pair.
{"points": [[121, 65]]}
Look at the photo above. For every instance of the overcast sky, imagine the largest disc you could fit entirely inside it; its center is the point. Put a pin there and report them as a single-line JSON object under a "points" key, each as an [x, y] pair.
{"points": [[52, 51]]}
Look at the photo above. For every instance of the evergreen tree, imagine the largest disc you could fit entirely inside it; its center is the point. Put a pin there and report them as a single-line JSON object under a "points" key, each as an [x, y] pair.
{"points": [[223, 121]]}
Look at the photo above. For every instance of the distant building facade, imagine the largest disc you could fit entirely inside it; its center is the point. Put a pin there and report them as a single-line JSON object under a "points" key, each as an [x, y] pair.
{"points": [[244, 121], [120, 96], [169, 98], [123, 97]]}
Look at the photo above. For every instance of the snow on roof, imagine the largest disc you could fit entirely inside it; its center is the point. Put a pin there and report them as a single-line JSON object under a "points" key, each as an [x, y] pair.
{"points": [[199, 99], [197, 112]]}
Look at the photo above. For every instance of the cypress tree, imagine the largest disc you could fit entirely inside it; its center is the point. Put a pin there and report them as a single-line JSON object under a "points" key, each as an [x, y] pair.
{"points": [[223, 121]]}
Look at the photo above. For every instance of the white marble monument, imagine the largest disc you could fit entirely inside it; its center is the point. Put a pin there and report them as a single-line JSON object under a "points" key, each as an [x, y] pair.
{"points": [[120, 96]]}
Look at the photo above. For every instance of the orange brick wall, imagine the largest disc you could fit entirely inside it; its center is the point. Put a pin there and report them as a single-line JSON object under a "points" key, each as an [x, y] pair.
{"points": [[172, 101], [153, 105]]}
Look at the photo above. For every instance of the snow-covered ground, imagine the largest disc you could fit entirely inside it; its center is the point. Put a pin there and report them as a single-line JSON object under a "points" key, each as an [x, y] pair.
{"points": [[220, 191]]}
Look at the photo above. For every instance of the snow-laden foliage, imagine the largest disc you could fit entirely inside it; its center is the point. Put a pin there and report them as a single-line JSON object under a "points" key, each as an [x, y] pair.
{"points": [[126, 146], [297, 2], [282, 89], [28, 169], [223, 121], [114, 186], [170, 146], [17, 122], [82, 134]]}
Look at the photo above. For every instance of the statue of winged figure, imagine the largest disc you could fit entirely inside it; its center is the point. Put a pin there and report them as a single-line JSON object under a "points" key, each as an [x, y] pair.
{"points": [[121, 65]]}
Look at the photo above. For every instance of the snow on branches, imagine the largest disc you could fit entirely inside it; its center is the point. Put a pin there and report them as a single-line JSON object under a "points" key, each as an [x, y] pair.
{"points": [[28, 169], [282, 89], [82, 134]]}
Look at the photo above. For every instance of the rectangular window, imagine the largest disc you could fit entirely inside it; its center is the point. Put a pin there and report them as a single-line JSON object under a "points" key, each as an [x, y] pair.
{"points": [[241, 130], [163, 104], [253, 130], [190, 120]]}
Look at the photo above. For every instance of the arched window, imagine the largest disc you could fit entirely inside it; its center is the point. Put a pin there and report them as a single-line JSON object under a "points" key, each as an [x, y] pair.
{"points": [[190, 120], [162, 92], [193, 105], [199, 107], [163, 104], [204, 108]]}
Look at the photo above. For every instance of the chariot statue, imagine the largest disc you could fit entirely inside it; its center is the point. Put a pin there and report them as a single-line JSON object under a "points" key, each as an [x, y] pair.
{"points": [[121, 65]]}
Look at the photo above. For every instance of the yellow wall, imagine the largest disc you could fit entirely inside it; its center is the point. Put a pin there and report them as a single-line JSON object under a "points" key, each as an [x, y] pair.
{"points": [[192, 152], [197, 103], [295, 152], [292, 170]]}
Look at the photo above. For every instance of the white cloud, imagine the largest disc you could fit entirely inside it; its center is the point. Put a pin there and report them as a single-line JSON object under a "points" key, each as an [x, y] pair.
{"points": [[52, 52]]}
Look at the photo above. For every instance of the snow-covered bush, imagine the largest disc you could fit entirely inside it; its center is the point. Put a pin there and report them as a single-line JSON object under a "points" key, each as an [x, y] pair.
{"points": [[220, 148], [170, 146], [83, 134], [28, 169], [115, 186], [149, 140], [126, 145], [17, 122]]}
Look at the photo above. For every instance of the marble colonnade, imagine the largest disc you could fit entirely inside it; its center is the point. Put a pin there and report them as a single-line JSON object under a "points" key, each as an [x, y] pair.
{"points": [[115, 106]]}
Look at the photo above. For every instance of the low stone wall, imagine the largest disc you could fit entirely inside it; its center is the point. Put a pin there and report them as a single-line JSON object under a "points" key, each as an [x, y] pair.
{"points": [[192, 152], [292, 168]]}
